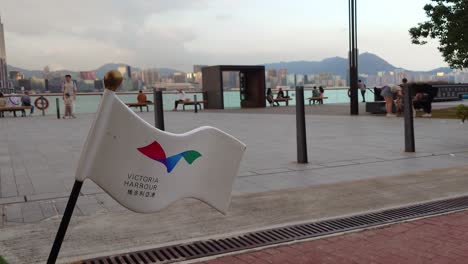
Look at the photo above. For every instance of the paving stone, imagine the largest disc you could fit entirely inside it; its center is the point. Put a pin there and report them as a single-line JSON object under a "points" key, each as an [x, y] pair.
{"points": [[60, 205], [13, 213], [246, 173], [7, 182], [88, 205], [109, 203], [31, 212], [11, 200], [338, 163], [270, 171], [47, 196], [48, 209]]}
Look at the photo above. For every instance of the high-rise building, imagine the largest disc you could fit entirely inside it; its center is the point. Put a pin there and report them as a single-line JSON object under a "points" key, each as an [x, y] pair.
{"points": [[179, 77], [88, 75], [150, 76], [16, 75], [3, 63], [198, 68]]}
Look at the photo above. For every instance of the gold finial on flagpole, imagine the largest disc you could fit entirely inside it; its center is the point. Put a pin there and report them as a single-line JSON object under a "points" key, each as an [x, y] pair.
{"points": [[112, 80]]}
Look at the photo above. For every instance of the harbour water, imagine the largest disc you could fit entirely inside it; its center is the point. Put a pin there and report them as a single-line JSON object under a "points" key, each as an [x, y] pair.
{"points": [[89, 103]]}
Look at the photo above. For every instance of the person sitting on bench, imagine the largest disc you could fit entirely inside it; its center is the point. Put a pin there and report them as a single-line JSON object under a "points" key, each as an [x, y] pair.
{"points": [[26, 101], [424, 98], [181, 99], [141, 98], [280, 94], [270, 99], [315, 94], [3, 103], [322, 91]]}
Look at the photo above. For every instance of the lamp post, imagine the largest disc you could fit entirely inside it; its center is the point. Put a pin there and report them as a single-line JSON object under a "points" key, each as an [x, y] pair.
{"points": [[353, 58]]}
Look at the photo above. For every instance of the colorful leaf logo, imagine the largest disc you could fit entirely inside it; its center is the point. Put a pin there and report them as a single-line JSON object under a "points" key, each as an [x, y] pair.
{"points": [[155, 152]]}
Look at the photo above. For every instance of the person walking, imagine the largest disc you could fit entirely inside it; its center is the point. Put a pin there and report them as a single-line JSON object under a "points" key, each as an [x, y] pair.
{"points": [[363, 89], [69, 88]]}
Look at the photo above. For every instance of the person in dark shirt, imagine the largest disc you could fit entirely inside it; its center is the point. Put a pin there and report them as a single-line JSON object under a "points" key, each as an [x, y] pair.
{"points": [[280, 94], [322, 91], [269, 98], [26, 101]]}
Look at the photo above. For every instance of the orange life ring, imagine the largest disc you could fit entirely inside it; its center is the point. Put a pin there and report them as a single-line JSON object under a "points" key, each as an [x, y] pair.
{"points": [[41, 103]]}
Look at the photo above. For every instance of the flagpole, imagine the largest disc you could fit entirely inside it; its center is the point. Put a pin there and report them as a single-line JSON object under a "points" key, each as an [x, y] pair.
{"points": [[64, 223], [112, 81]]}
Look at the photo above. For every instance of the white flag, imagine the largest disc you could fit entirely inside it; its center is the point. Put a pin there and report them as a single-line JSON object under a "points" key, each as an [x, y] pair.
{"points": [[146, 169]]}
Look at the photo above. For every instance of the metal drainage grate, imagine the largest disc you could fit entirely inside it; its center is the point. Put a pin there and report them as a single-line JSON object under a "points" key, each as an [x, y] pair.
{"points": [[252, 240]]}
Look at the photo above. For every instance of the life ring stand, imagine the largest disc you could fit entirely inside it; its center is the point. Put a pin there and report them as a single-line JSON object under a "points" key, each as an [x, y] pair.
{"points": [[41, 103]]}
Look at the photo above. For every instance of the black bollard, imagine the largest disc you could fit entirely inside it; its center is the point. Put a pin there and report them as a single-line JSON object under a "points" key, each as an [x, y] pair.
{"points": [[301, 126], [57, 104], [42, 104], [195, 102], [158, 109], [409, 125]]}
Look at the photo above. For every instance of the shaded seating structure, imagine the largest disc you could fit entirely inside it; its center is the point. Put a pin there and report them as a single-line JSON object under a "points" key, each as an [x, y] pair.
{"points": [[251, 80]]}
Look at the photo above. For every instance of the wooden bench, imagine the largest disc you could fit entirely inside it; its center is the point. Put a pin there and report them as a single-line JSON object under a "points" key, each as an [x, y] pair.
{"points": [[140, 105], [14, 109], [316, 98], [279, 100], [198, 103]]}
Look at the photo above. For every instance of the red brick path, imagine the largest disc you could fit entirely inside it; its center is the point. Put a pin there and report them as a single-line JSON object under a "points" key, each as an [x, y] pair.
{"points": [[441, 239]]}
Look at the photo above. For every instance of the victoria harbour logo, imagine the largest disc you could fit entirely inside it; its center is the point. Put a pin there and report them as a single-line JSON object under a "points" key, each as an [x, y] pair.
{"points": [[155, 152]]}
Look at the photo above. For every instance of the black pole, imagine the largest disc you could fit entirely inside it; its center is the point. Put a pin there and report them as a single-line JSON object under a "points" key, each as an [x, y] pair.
{"points": [[64, 223], [57, 104], [409, 126], [42, 104], [353, 58], [300, 126], [195, 101], [158, 109]]}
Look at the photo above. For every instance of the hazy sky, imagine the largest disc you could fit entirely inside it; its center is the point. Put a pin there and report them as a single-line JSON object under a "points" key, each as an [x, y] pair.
{"points": [[84, 34]]}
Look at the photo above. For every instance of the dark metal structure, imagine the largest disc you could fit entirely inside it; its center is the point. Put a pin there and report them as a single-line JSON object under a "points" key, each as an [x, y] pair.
{"points": [[353, 58], [158, 109], [301, 126], [409, 123], [252, 85]]}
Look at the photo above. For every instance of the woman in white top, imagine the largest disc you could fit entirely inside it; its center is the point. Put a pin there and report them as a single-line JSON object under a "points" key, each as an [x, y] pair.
{"points": [[181, 99], [69, 88]]}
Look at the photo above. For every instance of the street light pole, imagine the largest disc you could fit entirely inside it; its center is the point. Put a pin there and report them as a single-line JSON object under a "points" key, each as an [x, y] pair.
{"points": [[353, 58]]}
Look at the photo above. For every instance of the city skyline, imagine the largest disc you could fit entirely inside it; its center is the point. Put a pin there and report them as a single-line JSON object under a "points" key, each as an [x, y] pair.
{"points": [[178, 34]]}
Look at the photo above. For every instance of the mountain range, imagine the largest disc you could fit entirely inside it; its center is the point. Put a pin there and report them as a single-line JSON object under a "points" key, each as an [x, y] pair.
{"points": [[369, 64]]}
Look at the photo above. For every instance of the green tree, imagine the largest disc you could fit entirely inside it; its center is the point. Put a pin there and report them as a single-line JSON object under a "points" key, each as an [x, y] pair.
{"points": [[448, 22]]}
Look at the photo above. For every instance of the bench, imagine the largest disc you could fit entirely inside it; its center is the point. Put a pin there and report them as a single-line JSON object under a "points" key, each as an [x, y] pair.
{"points": [[279, 100], [198, 103], [140, 105], [316, 98], [14, 109]]}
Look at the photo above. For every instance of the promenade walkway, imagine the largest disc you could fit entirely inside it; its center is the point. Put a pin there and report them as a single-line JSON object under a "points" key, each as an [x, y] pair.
{"points": [[356, 164]]}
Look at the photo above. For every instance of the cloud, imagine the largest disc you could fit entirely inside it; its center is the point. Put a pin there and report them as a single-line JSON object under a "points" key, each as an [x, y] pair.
{"points": [[86, 33], [82, 35]]}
